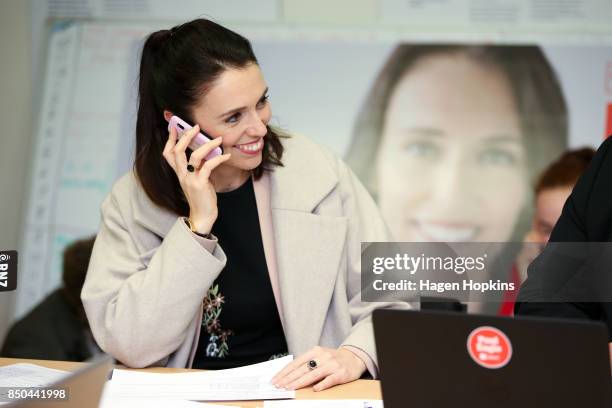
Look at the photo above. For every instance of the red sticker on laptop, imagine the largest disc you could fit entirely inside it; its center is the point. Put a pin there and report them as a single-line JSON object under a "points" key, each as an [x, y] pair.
{"points": [[489, 347]]}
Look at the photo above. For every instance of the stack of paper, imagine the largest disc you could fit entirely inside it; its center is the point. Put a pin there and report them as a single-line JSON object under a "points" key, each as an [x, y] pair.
{"points": [[244, 383]]}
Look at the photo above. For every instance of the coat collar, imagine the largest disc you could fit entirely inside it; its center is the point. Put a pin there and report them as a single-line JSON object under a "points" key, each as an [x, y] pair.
{"points": [[308, 246], [306, 177]]}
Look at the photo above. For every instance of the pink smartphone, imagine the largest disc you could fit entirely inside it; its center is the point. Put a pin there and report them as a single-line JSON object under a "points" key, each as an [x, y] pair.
{"points": [[181, 126]]}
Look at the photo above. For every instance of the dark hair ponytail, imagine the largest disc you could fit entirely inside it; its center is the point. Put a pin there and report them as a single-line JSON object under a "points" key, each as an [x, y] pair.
{"points": [[176, 69]]}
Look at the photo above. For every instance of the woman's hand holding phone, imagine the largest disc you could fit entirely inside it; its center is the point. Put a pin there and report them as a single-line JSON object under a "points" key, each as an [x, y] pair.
{"points": [[196, 185]]}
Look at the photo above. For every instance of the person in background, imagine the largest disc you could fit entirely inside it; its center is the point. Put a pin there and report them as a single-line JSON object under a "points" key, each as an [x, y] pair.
{"points": [[57, 328], [586, 219], [552, 189]]}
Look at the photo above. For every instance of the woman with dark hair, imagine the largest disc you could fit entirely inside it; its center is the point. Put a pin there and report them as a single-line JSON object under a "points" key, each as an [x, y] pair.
{"points": [[238, 259], [450, 136]]}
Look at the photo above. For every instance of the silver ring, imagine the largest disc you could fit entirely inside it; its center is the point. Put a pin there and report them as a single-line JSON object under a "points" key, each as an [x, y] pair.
{"points": [[311, 365]]}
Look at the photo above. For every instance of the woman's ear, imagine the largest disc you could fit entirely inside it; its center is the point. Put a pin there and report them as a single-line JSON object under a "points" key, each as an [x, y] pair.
{"points": [[167, 115]]}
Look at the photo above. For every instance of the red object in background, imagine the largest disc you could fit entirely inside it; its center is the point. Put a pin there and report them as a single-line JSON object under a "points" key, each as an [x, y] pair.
{"points": [[608, 120]]}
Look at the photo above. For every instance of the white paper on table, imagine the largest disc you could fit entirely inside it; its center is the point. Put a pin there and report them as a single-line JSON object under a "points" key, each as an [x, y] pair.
{"points": [[28, 375], [244, 383], [110, 401], [126, 402], [346, 403]]}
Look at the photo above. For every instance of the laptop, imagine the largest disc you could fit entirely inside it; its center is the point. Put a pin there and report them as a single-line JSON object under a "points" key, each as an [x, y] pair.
{"points": [[446, 359], [84, 387]]}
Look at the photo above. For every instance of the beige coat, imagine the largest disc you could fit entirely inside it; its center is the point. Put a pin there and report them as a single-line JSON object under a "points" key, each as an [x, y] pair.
{"points": [[149, 274]]}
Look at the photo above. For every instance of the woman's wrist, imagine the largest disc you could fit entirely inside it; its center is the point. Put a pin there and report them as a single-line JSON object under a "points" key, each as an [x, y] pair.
{"points": [[201, 229], [359, 365], [370, 366]]}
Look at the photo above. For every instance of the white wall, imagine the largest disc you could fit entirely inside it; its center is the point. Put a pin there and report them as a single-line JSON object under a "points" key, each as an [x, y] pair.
{"points": [[17, 124]]}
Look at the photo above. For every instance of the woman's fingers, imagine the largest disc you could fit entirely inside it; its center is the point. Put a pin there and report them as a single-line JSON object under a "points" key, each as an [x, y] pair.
{"points": [[302, 360], [211, 164], [174, 153], [333, 367], [311, 377], [201, 152], [293, 376], [168, 148], [180, 158], [329, 381]]}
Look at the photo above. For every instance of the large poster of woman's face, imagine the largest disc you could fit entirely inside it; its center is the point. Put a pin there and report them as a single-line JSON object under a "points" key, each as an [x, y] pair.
{"points": [[453, 134], [449, 138]]}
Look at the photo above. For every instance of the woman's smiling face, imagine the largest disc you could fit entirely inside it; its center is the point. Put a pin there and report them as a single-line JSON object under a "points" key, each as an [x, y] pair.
{"points": [[452, 163], [236, 107]]}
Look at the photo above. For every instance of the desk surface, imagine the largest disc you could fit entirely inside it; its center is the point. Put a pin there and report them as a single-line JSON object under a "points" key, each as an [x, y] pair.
{"points": [[360, 389]]}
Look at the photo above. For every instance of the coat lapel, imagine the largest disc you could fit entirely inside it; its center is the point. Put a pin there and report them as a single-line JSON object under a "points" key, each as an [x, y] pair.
{"points": [[308, 246], [262, 196], [309, 249]]}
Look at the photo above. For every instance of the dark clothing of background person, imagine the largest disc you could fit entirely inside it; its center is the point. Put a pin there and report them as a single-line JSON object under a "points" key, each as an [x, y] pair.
{"points": [[586, 217], [50, 331], [57, 328]]}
